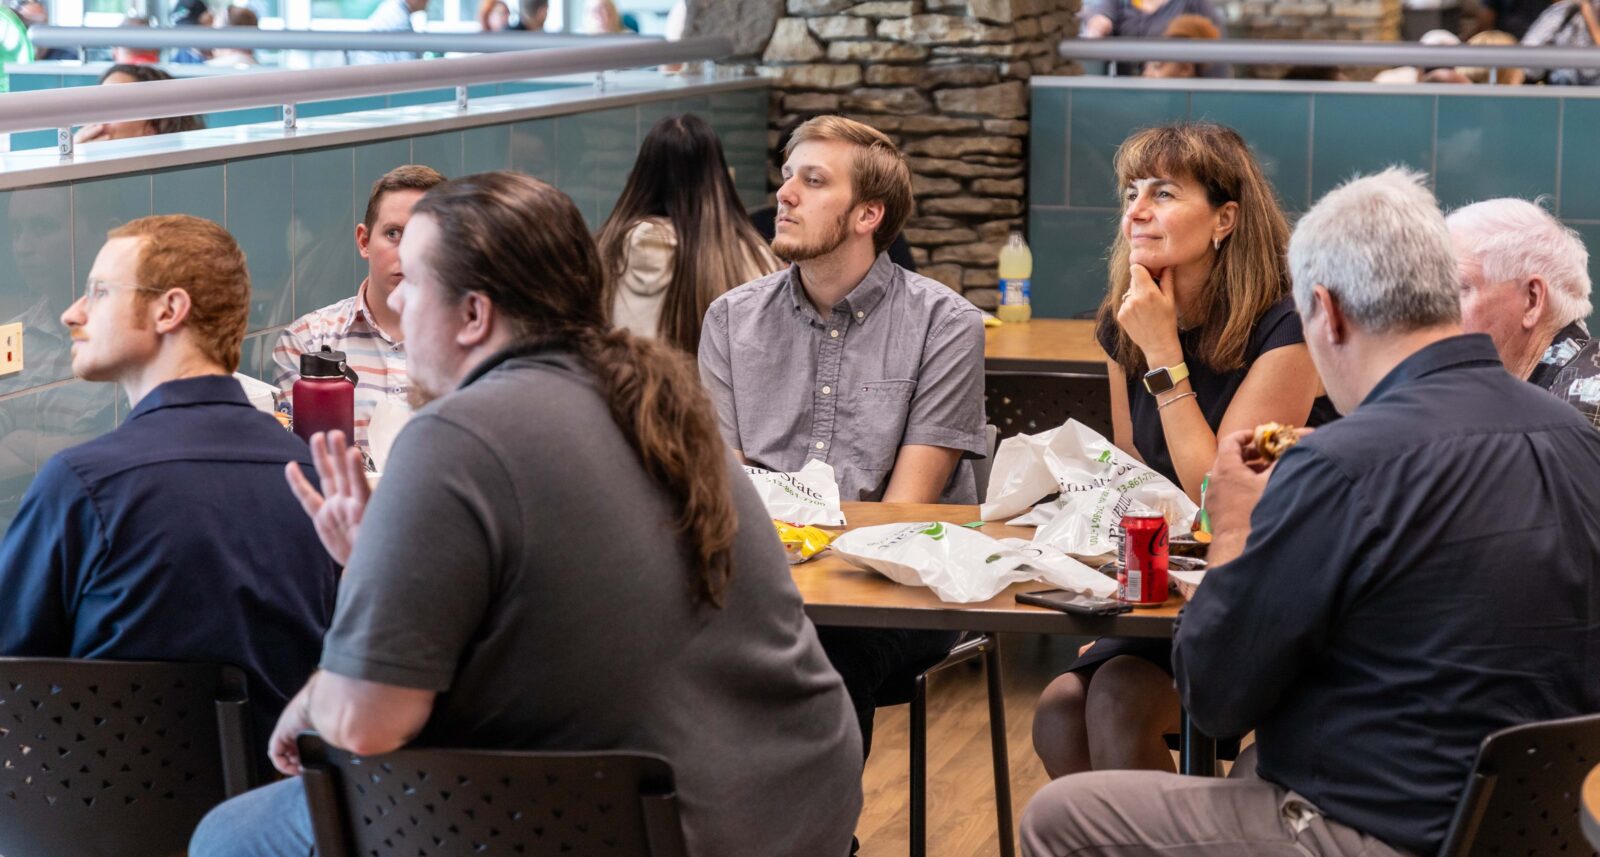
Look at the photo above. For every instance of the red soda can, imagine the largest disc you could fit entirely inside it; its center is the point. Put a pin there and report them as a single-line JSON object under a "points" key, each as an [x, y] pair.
{"points": [[1142, 579]]}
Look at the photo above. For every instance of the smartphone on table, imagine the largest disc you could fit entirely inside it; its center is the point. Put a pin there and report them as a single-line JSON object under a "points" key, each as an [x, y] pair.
{"points": [[1068, 601]]}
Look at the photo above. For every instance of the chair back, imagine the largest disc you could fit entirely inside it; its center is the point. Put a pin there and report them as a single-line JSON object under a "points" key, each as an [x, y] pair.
{"points": [[1032, 402], [1523, 794], [116, 757], [453, 802]]}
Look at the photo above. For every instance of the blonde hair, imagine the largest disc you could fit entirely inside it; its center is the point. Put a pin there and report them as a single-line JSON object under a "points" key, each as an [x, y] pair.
{"points": [[1250, 272], [878, 172], [1507, 76]]}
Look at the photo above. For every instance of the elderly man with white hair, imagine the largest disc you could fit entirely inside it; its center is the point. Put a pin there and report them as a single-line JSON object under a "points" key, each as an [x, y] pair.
{"points": [[1525, 282], [1397, 586]]}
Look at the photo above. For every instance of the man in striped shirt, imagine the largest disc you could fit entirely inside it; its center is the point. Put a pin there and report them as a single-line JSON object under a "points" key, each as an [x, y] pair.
{"points": [[363, 326]]}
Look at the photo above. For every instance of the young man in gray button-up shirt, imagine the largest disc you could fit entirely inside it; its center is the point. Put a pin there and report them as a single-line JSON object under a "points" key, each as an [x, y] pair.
{"points": [[848, 358]]}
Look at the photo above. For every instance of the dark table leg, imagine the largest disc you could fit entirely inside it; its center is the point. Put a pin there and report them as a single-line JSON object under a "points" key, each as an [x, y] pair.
{"points": [[1197, 752]]}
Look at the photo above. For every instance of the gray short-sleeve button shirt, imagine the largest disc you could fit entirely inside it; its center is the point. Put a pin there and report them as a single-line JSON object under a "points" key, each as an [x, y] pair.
{"points": [[899, 361]]}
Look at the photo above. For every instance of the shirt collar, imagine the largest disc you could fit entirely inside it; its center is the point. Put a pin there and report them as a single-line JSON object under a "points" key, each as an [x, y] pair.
{"points": [[361, 312], [201, 390], [1471, 349], [526, 348], [861, 300]]}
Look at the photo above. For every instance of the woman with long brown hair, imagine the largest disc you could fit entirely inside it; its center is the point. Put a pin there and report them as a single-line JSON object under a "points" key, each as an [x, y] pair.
{"points": [[1203, 340], [128, 73], [679, 236]]}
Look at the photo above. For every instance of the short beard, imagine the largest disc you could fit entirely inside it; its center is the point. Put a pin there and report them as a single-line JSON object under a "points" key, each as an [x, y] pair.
{"points": [[418, 396], [794, 251]]}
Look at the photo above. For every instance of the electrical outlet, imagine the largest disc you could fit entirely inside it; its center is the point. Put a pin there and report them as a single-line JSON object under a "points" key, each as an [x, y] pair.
{"points": [[10, 348]]}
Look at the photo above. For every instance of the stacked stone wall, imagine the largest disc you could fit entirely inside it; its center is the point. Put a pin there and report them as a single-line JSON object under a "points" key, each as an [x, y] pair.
{"points": [[947, 80], [1343, 20]]}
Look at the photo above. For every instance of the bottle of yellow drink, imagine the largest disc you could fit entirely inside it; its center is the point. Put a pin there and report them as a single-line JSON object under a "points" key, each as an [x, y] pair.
{"points": [[1016, 272]]}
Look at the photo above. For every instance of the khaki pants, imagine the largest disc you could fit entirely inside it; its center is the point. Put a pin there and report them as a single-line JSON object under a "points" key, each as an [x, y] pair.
{"points": [[1127, 813]]}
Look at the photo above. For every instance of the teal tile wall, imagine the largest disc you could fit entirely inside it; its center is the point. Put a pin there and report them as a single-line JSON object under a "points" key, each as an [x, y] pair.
{"points": [[1474, 147], [36, 250], [1346, 146], [294, 216]]}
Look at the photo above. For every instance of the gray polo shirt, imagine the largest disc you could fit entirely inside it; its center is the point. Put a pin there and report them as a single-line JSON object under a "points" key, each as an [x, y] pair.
{"points": [[518, 560], [899, 361]]}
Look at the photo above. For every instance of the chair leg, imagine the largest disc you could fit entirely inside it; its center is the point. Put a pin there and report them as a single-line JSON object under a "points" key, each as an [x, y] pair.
{"points": [[997, 742], [919, 768]]}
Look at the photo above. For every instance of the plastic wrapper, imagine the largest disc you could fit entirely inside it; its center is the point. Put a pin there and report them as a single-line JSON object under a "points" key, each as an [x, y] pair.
{"points": [[1096, 483], [962, 565], [808, 496], [801, 543]]}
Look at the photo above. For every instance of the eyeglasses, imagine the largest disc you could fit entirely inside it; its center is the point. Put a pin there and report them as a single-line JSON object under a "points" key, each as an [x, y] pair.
{"points": [[95, 291]]}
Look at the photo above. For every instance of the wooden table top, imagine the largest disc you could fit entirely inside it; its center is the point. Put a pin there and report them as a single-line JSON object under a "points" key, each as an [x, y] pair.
{"points": [[837, 593], [1044, 345], [1589, 813]]}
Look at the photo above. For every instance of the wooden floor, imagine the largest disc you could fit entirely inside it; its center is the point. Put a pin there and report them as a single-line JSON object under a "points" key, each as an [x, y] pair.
{"points": [[961, 819]]}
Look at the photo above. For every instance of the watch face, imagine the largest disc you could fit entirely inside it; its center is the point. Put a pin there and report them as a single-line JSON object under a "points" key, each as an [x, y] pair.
{"points": [[1158, 381]]}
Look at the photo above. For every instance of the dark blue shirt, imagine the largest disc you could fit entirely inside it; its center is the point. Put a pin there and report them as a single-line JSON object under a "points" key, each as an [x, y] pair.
{"points": [[174, 538], [1418, 575]]}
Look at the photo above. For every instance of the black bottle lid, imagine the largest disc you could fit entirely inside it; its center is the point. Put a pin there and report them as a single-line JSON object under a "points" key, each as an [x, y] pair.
{"points": [[326, 363]]}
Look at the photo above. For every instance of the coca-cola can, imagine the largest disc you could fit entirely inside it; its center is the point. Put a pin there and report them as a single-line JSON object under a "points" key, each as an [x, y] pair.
{"points": [[1142, 577]]}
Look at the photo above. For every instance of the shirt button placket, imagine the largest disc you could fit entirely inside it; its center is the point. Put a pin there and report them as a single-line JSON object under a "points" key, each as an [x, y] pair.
{"points": [[830, 359]]}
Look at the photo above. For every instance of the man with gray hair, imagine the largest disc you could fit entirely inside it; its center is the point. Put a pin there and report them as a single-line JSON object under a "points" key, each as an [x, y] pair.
{"points": [[1399, 585], [1525, 282]]}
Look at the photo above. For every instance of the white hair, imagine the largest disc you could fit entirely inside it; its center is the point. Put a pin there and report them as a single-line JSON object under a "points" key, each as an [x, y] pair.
{"points": [[1513, 239], [1379, 244]]}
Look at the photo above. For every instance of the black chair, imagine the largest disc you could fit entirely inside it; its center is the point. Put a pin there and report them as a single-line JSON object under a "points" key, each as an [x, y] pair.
{"points": [[913, 689], [1523, 795], [1032, 402], [116, 757], [418, 803]]}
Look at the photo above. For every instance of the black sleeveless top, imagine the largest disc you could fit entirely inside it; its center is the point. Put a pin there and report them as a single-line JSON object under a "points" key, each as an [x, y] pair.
{"points": [[1214, 391]]}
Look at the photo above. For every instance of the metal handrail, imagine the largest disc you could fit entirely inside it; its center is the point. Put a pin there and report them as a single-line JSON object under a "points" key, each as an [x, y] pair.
{"points": [[1289, 52], [63, 108], [249, 38]]}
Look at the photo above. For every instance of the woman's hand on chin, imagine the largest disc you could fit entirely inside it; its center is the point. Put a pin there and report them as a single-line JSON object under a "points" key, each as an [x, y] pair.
{"points": [[1150, 316]]}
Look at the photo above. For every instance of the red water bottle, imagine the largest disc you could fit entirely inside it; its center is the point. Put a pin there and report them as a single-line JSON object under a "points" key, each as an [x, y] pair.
{"points": [[325, 395]]}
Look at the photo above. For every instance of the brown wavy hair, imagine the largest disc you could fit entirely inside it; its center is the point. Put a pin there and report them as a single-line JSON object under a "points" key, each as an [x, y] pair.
{"points": [[151, 74], [524, 245], [1250, 272]]}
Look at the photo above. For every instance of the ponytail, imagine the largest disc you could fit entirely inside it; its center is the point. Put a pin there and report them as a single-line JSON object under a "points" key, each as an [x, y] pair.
{"points": [[656, 399]]}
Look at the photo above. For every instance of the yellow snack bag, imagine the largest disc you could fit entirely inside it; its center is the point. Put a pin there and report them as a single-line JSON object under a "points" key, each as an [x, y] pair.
{"points": [[801, 543]]}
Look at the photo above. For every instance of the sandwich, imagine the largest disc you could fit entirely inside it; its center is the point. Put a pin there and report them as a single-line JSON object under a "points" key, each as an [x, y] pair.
{"points": [[1273, 440]]}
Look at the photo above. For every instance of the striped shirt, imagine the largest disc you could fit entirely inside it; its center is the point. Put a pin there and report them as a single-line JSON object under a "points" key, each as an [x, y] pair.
{"points": [[378, 360]]}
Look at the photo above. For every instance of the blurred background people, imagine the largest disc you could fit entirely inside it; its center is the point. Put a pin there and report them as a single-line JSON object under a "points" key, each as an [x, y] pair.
{"points": [[135, 56], [531, 15], [1184, 27], [1568, 24], [391, 16], [493, 16], [679, 236], [1142, 18], [1505, 76], [236, 16], [191, 13], [14, 44], [1412, 74], [123, 73]]}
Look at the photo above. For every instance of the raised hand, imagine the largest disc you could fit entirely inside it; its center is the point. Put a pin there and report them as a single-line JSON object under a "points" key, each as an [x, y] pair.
{"points": [[336, 511], [1149, 314]]}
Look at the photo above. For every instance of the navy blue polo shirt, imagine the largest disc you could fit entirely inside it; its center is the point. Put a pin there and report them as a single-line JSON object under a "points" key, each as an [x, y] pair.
{"points": [[174, 538], [1418, 575]]}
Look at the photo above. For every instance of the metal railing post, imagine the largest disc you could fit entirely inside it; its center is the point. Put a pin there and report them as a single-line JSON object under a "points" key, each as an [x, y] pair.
{"points": [[461, 99], [290, 122], [64, 142]]}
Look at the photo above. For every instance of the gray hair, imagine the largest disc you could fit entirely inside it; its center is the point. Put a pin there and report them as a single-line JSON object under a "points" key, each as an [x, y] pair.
{"points": [[1380, 245], [1514, 239]]}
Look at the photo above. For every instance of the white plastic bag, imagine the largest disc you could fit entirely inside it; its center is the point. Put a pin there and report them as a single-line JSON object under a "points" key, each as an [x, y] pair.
{"points": [[1096, 481], [809, 496], [962, 565]]}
